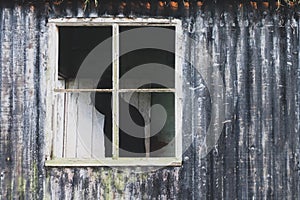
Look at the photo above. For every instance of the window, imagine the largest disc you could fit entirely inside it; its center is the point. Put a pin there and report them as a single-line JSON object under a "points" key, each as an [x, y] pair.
{"points": [[114, 92]]}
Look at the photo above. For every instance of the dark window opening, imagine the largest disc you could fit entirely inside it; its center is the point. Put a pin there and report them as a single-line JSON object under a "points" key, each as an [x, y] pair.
{"points": [[76, 43], [143, 135]]}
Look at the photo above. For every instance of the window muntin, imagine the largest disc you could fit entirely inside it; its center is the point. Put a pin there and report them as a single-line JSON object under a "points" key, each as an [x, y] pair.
{"points": [[117, 90]]}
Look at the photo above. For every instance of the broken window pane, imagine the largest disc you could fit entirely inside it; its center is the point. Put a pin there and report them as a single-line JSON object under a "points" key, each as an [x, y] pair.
{"points": [[162, 141], [88, 125], [146, 124], [146, 120]]}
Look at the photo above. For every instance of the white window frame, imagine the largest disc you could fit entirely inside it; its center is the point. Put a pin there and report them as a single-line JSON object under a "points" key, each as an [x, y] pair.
{"points": [[51, 86]]}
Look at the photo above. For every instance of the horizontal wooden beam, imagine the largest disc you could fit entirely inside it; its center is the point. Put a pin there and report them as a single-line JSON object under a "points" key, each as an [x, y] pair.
{"points": [[163, 161], [120, 90], [110, 21]]}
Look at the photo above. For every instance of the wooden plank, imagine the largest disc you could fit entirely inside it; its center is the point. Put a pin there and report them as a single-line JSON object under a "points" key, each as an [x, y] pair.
{"points": [[179, 49], [110, 90], [71, 121], [150, 162], [85, 122], [111, 21], [98, 147], [156, 90], [82, 90], [144, 104], [50, 82], [58, 145], [115, 95]]}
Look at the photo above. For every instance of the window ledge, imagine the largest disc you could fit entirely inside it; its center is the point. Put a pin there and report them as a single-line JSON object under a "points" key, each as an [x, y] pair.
{"points": [[66, 162]]}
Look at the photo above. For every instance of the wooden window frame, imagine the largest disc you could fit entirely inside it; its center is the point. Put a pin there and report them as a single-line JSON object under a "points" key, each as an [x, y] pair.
{"points": [[52, 88]]}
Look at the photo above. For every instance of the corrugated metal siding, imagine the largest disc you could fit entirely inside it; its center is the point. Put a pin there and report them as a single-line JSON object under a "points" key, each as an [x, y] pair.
{"points": [[21, 103], [257, 154]]}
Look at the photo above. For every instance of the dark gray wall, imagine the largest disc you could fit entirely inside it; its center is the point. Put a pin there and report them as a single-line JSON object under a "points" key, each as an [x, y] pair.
{"points": [[257, 155]]}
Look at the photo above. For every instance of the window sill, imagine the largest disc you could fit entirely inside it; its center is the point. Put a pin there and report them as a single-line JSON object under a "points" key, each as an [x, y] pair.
{"points": [[137, 162]]}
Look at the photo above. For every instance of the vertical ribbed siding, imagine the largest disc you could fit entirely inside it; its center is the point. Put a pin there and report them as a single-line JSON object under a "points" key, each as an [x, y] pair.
{"points": [[241, 123], [6, 99], [267, 114], [187, 174], [290, 95], [279, 124], [230, 141], [19, 104], [260, 146], [255, 130], [257, 155]]}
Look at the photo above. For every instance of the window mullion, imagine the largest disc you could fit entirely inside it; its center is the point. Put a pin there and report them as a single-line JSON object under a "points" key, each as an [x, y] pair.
{"points": [[115, 79]]}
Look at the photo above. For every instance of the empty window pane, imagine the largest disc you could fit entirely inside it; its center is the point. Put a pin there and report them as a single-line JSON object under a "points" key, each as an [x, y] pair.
{"points": [[147, 58], [85, 53]]}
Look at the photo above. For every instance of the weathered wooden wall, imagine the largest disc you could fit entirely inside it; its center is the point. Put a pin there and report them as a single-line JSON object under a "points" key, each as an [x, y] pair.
{"points": [[257, 154]]}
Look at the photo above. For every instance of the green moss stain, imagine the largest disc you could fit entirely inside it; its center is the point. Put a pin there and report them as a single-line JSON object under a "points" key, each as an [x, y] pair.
{"points": [[119, 181], [107, 179], [34, 181], [21, 187]]}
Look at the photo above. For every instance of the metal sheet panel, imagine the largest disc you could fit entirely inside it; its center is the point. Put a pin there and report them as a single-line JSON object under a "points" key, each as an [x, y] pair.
{"points": [[253, 46]]}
